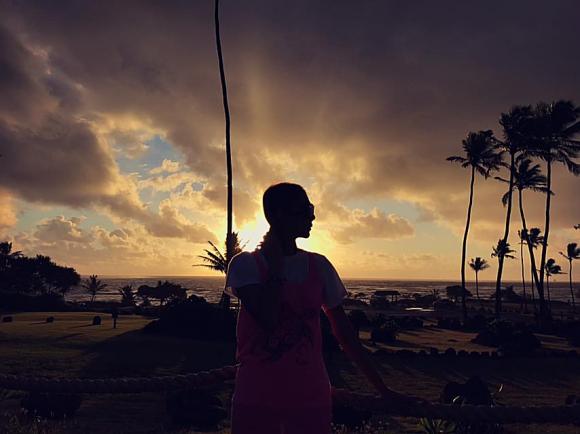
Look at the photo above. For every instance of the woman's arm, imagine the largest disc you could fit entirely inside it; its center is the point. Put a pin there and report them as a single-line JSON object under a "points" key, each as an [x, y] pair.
{"points": [[346, 336], [351, 345]]}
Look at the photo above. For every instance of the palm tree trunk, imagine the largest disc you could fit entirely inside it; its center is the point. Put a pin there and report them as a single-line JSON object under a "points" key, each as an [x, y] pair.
{"points": [[225, 300], [476, 286], [523, 274], [547, 223], [533, 267], [571, 289], [464, 245], [505, 238], [548, 289]]}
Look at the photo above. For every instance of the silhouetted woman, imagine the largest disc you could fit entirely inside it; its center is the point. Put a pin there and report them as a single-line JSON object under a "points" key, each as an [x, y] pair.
{"points": [[282, 384]]}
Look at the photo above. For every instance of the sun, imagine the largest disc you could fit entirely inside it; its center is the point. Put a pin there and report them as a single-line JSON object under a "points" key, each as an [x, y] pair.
{"points": [[251, 235], [252, 232]]}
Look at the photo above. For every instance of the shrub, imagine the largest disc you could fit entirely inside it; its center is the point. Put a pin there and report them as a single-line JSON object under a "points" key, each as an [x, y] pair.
{"points": [[509, 339], [386, 333], [195, 318], [49, 302], [96, 320]]}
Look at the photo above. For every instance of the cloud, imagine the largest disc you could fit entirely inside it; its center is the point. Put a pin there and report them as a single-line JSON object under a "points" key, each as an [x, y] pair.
{"points": [[362, 104], [374, 224], [61, 229], [8, 216]]}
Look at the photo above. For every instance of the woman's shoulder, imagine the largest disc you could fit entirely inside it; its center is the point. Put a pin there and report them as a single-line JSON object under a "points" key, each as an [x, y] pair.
{"points": [[319, 259], [242, 258]]}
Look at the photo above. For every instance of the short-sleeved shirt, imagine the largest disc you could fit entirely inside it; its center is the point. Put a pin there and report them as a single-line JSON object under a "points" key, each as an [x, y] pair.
{"points": [[243, 271]]}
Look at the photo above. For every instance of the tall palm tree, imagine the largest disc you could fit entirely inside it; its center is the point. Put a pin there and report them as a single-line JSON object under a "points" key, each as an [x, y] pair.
{"points": [[478, 264], [572, 253], [481, 157], [551, 270], [225, 300], [501, 252], [522, 234], [534, 238], [553, 134], [527, 177], [93, 285], [514, 124]]}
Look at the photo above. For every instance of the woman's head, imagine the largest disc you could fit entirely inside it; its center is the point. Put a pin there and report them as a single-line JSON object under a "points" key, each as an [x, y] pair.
{"points": [[288, 210]]}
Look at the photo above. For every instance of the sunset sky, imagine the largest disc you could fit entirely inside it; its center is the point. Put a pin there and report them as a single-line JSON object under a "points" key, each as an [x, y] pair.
{"points": [[112, 129]]}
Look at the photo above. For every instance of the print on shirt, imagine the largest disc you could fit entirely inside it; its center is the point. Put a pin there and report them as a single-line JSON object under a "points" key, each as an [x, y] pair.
{"points": [[294, 333]]}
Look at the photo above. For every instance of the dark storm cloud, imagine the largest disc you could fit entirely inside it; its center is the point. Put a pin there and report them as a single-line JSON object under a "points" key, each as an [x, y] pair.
{"points": [[397, 85]]}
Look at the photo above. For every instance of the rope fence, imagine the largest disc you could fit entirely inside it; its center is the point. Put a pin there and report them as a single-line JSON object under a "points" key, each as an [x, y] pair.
{"points": [[565, 414]]}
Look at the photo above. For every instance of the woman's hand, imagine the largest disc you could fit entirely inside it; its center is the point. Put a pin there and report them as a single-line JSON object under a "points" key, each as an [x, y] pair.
{"points": [[272, 251]]}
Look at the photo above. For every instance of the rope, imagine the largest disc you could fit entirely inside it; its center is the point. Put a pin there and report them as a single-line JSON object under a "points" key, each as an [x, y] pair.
{"points": [[565, 414]]}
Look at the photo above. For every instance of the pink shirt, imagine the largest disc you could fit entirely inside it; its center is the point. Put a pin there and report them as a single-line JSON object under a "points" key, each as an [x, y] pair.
{"points": [[284, 368]]}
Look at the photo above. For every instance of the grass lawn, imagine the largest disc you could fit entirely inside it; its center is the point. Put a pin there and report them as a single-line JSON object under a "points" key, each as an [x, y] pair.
{"points": [[72, 347]]}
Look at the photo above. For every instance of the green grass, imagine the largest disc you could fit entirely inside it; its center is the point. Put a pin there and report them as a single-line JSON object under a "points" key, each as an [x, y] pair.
{"points": [[71, 347]]}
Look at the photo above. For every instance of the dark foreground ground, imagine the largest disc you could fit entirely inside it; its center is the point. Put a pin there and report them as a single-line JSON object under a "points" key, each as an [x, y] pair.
{"points": [[71, 347]]}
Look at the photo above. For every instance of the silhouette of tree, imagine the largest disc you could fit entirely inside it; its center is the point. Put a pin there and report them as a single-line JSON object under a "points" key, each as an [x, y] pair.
{"points": [[480, 157], [551, 270], [225, 299], [93, 285], [552, 140], [127, 295], [527, 177], [7, 255], [217, 260], [163, 292], [572, 253], [515, 125], [478, 264], [502, 250]]}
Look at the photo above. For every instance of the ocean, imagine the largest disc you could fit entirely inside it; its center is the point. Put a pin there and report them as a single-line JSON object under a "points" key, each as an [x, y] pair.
{"points": [[211, 287]]}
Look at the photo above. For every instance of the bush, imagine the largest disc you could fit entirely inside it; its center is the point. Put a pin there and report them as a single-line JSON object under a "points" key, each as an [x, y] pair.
{"points": [[386, 333], [7, 319], [509, 339], [96, 320], [195, 318], [358, 318], [50, 319], [49, 302]]}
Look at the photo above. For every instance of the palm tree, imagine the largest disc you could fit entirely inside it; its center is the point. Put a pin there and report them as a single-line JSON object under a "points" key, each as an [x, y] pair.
{"points": [[572, 252], [217, 260], [225, 300], [522, 234], [93, 285], [478, 264], [514, 124], [527, 177], [534, 238], [480, 157], [501, 251], [551, 270], [127, 295], [553, 130]]}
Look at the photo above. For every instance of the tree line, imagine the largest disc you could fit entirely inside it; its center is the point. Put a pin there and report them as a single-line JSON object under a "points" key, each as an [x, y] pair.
{"points": [[531, 136]]}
